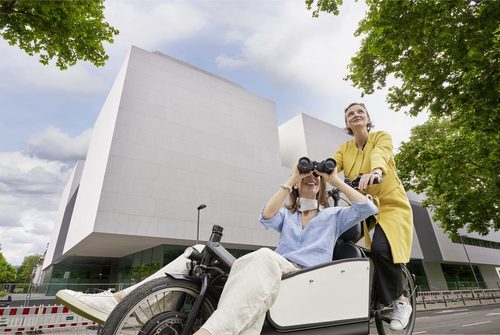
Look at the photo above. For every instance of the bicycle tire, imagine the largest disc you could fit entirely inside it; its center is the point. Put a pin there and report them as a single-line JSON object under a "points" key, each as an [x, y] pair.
{"points": [[160, 306], [411, 293]]}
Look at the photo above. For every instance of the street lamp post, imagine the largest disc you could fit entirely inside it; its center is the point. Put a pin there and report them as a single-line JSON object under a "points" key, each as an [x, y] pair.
{"points": [[470, 264], [199, 208]]}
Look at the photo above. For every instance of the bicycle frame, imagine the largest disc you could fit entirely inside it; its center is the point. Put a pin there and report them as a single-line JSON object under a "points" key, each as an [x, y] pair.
{"points": [[320, 320]]}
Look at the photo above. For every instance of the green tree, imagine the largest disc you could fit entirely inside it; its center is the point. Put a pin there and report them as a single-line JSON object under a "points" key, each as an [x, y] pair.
{"points": [[68, 30], [445, 57], [7, 271], [25, 271], [443, 161]]}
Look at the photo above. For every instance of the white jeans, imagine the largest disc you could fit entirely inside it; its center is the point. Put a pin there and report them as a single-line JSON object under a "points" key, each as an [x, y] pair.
{"points": [[251, 289]]}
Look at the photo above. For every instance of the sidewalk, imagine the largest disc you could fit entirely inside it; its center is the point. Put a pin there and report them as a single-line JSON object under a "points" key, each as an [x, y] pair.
{"points": [[35, 300], [82, 331], [455, 304]]}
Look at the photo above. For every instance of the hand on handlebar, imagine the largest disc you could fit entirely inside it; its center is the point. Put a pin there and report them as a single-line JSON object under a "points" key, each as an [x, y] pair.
{"points": [[368, 179]]}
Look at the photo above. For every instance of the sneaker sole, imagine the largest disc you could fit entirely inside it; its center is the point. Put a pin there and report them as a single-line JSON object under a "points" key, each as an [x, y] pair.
{"points": [[396, 329], [80, 308]]}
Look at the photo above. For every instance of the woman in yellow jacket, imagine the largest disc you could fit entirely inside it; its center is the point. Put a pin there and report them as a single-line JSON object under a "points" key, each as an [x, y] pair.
{"points": [[370, 153]]}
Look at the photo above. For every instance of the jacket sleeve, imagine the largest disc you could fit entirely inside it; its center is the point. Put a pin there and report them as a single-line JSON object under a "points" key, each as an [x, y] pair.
{"points": [[339, 158], [382, 152]]}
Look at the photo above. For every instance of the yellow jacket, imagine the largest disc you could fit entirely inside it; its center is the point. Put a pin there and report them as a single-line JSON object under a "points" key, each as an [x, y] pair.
{"points": [[395, 214]]}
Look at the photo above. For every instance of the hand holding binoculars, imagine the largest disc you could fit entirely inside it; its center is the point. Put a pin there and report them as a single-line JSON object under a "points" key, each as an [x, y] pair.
{"points": [[305, 165]]}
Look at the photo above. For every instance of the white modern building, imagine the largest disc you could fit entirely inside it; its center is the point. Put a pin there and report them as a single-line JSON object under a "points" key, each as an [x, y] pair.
{"points": [[171, 137]]}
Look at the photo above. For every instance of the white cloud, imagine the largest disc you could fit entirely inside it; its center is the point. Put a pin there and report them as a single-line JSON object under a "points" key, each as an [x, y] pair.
{"points": [[28, 238], [296, 52], [227, 62], [31, 184], [148, 24], [53, 144], [233, 36], [23, 72], [293, 48]]}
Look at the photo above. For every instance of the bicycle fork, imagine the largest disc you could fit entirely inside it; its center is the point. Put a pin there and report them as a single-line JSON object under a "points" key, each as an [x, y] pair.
{"points": [[195, 310]]}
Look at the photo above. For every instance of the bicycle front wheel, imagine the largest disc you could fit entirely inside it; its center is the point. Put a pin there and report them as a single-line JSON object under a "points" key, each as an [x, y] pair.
{"points": [[383, 317], [158, 307]]}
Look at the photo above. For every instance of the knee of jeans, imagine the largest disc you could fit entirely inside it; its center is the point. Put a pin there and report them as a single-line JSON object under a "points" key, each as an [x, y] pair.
{"points": [[264, 252], [256, 255]]}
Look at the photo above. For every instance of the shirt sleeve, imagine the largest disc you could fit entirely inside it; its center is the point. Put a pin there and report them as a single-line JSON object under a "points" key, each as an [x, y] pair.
{"points": [[382, 152], [349, 216], [276, 222]]}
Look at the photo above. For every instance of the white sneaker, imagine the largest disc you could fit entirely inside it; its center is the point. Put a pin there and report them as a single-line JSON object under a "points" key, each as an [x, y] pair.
{"points": [[95, 307], [401, 315]]}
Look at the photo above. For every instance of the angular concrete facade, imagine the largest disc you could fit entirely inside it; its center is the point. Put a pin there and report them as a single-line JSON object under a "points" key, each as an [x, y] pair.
{"points": [[170, 137]]}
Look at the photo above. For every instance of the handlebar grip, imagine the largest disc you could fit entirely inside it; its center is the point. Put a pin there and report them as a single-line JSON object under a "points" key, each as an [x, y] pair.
{"points": [[377, 180], [216, 233], [355, 183]]}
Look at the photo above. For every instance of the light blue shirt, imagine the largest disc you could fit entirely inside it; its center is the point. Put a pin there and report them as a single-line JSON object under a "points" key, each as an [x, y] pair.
{"points": [[314, 244]]}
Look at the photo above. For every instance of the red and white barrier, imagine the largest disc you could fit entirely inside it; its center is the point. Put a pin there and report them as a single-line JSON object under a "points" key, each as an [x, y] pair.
{"points": [[27, 319]]}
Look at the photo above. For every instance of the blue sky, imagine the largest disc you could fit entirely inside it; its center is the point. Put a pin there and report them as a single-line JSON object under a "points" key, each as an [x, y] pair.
{"points": [[273, 48]]}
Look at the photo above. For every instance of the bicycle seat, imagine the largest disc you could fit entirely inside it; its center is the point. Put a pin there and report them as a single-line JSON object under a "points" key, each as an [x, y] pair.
{"points": [[353, 234], [345, 247]]}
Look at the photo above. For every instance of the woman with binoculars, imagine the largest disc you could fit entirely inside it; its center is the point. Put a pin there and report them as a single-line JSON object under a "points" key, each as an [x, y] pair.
{"points": [[370, 154], [308, 229]]}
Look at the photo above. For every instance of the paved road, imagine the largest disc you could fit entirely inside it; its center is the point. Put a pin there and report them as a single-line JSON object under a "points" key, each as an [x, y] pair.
{"points": [[465, 320]]}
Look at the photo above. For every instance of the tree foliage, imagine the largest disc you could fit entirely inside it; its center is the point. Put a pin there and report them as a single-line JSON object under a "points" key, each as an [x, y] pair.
{"points": [[328, 6], [7, 271], [26, 269], [446, 163], [445, 57], [67, 30], [445, 54]]}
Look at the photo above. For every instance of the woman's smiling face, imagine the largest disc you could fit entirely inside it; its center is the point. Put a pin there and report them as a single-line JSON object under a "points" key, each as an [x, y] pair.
{"points": [[309, 187]]}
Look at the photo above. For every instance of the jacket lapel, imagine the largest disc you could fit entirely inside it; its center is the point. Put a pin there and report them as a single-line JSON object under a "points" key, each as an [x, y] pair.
{"points": [[350, 158]]}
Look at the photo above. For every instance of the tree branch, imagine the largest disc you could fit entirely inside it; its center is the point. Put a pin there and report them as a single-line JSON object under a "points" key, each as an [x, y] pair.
{"points": [[8, 7], [467, 160], [29, 14]]}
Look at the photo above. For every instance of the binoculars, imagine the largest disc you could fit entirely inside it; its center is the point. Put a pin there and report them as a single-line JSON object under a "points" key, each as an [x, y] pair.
{"points": [[306, 165]]}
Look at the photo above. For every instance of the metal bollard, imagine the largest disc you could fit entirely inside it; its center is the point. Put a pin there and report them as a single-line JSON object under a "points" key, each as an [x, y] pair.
{"points": [[479, 298]]}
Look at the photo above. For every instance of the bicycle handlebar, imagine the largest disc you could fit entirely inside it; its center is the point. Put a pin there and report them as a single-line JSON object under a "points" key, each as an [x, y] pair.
{"points": [[334, 192], [355, 182]]}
